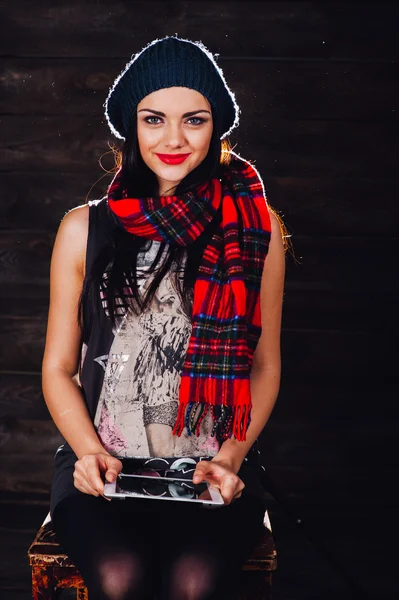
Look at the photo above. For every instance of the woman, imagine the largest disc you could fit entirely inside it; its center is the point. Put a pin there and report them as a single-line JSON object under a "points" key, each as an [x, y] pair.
{"points": [[154, 357]]}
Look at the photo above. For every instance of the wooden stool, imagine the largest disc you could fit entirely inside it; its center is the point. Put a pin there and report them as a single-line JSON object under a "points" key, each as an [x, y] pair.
{"points": [[52, 570]]}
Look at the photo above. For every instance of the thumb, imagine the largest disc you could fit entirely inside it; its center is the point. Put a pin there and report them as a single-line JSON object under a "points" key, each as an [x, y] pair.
{"points": [[197, 478], [200, 472], [113, 469]]}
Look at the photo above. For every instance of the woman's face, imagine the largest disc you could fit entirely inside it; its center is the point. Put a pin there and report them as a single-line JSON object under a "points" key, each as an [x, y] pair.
{"points": [[173, 121]]}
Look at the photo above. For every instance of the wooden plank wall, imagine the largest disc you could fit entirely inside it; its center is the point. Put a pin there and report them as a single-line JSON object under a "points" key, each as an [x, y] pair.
{"points": [[318, 88]]}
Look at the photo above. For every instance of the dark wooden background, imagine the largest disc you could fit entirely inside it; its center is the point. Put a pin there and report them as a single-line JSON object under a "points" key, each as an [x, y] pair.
{"points": [[318, 87]]}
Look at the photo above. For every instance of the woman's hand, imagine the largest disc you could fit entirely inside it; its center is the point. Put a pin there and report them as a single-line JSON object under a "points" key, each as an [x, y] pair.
{"points": [[220, 475], [88, 471]]}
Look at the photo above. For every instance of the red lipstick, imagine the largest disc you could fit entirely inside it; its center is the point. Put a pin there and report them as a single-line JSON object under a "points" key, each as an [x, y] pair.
{"points": [[173, 159]]}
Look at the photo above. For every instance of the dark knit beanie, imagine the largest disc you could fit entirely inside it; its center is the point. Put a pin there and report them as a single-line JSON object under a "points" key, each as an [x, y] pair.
{"points": [[164, 63]]}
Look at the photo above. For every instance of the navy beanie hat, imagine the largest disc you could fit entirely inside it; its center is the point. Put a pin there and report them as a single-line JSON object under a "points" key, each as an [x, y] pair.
{"points": [[164, 63]]}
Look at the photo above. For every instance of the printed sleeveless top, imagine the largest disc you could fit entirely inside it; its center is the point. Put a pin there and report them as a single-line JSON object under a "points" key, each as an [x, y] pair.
{"points": [[130, 374], [138, 403]]}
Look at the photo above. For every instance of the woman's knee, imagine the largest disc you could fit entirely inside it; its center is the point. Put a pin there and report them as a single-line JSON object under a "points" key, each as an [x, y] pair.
{"points": [[193, 577], [120, 576]]}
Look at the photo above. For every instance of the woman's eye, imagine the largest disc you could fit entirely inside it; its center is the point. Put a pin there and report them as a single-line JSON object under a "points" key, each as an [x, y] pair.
{"points": [[156, 120], [148, 120], [198, 120]]}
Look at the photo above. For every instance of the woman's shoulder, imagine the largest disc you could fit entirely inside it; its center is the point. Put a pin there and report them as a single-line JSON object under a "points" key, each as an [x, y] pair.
{"points": [[74, 230], [71, 239], [75, 222], [74, 227], [77, 219]]}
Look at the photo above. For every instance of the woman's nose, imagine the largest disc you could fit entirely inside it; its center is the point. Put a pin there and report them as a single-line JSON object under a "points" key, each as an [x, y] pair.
{"points": [[174, 136]]}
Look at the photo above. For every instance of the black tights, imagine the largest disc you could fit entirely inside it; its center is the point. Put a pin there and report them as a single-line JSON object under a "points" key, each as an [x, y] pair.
{"points": [[164, 550]]}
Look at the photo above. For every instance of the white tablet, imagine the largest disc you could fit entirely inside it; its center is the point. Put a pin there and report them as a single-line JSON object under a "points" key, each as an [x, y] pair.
{"points": [[163, 488]]}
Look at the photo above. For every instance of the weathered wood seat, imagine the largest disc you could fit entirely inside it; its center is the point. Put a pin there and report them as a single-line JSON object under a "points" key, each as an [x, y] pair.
{"points": [[53, 570]]}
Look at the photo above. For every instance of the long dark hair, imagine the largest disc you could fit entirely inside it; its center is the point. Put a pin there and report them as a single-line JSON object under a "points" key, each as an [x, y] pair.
{"points": [[119, 250]]}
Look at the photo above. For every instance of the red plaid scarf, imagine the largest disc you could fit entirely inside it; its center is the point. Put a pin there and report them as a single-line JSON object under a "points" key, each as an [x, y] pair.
{"points": [[226, 316]]}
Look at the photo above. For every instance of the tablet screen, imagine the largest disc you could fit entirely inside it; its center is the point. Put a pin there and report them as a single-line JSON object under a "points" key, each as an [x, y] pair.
{"points": [[157, 487]]}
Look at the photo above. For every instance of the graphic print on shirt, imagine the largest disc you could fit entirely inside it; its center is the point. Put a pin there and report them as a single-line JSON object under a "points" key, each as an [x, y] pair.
{"points": [[138, 404]]}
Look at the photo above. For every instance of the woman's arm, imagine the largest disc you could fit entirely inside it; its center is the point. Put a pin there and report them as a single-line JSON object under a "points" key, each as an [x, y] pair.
{"points": [[61, 391], [266, 365]]}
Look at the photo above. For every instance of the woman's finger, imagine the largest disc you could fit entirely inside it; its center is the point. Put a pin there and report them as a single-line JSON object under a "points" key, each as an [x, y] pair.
{"points": [[83, 486], [228, 487], [94, 479], [238, 495], [229, 484], [87, 489], [112, 468], [205, 470]]}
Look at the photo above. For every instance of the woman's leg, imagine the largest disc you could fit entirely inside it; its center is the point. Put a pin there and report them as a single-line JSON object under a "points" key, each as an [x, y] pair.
{"points": [[110, 543], [203, 549]]}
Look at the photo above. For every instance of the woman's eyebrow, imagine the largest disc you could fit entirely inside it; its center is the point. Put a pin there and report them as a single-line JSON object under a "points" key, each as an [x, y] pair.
{"points": [[161, 114]]}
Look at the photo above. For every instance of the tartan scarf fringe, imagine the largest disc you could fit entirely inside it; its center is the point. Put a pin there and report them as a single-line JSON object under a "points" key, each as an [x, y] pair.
{"points": [[231, 420], [226, 308]]}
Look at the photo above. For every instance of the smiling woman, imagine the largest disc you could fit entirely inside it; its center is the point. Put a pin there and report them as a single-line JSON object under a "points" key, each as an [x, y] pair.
{"points": [[175, 135], [159, 294]]}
